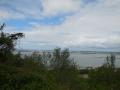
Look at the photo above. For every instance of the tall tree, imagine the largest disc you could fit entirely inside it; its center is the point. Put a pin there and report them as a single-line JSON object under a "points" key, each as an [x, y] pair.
{"points": [[8, 41]]}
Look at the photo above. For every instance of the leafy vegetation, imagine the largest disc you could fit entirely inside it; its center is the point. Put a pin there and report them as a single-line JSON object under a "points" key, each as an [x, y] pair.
{"points": [[51, 71]]}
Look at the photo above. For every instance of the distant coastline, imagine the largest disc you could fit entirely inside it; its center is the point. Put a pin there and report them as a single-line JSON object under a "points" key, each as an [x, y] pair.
{"points": [[82, 52]]}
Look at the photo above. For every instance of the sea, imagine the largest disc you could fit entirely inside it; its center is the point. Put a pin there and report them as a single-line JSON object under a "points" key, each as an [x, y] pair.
{"points": [[87, 58], [93, 59]]}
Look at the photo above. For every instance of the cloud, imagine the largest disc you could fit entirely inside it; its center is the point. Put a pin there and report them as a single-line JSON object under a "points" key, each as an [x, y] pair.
{"points": [[52, 7], [22, 9], [38, 9], [93, 24], [7, 14], [85, 31]]}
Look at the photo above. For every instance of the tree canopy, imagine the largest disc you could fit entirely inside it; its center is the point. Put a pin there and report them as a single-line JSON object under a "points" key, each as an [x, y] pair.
{"points": [[8, 41]]}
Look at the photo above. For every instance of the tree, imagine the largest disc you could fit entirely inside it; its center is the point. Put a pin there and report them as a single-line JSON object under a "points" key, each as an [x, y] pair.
{"points": [[61, 59], [105, 77], [64, 69], [7, 42], [110, 61]]}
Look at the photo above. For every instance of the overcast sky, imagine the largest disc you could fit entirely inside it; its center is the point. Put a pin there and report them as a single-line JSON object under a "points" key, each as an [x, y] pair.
{"points": [[75, 24]]}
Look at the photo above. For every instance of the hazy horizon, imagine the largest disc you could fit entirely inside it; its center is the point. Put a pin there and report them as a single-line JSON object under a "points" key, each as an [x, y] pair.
{"points": [[81, 51]]}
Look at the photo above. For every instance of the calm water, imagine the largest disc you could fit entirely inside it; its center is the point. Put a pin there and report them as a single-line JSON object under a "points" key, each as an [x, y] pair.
{"points": [[92, 60], [89, 60]]}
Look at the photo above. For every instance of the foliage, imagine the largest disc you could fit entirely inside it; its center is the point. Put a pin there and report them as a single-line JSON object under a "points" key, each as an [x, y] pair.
{"points": [[7, 43], [51, 71], [105, 77]]}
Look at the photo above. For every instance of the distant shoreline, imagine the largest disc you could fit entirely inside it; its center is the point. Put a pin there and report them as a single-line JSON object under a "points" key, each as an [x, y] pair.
{"points": [[82, 52]]}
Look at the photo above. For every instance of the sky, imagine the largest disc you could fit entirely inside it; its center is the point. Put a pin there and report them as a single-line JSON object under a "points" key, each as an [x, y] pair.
{"points": [[75, 24]]}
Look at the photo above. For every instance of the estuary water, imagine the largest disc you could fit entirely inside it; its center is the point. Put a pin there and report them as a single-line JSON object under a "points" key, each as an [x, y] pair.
{"points": [[89, 59], [93, 60]]}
